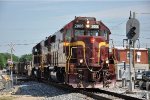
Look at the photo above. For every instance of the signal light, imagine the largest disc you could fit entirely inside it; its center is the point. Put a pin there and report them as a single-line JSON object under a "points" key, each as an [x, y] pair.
{"points": [[92, 40], [131, 33]]}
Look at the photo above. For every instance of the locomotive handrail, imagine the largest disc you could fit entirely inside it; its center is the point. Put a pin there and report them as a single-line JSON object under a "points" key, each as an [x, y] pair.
{"points": [[83, 44], [100, 45]]}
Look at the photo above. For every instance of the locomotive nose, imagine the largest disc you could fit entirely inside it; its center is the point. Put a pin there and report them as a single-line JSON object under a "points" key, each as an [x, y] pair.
{"points": [[95, 50]]}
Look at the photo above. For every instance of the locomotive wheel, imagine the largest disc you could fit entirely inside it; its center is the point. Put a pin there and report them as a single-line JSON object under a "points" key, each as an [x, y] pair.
{"points": [[38, 74], [32, 73], [60, 75], [141, 85]]}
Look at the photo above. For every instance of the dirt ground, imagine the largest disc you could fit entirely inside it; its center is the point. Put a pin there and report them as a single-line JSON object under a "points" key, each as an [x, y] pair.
{"points": [[14, 97]]}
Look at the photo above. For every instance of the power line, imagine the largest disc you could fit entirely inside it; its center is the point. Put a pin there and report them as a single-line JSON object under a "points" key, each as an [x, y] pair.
{"points": [[26, 44], [145, 23], [125, 36], [115, 26], [19, 44], [145, 30], [143, 13], [118, 35]]}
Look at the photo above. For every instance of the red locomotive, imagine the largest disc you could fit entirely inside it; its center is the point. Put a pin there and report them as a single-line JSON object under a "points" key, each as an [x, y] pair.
{"points": [[77, 55]]}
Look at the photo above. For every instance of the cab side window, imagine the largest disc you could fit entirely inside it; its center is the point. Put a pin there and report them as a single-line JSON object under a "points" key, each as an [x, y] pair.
{"points": [[104, 33], [68, 35]]}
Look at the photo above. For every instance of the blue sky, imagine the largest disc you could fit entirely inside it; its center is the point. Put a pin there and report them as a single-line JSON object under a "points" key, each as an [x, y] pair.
{"points": [[30, 21]]}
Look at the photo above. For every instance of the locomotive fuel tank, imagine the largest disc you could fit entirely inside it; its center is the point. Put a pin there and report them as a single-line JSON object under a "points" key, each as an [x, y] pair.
{"points": [[53, 73], [53, 76]]}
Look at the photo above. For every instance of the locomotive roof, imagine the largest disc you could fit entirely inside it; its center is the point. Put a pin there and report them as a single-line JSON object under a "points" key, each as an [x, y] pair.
{"points": [[103, 26], [86, 18]]}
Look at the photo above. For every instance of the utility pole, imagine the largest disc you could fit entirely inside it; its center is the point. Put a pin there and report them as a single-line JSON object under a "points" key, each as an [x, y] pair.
{"points": [[11, 61]]}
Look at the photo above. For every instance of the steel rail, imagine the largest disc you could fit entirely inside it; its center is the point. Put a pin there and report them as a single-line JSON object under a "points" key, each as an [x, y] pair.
{"points": [[65, 87], [122, 96]]}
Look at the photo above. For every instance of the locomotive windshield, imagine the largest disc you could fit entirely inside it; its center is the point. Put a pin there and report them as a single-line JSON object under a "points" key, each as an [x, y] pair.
{"points": [[92, 32], [79, 32], [86, 32]]}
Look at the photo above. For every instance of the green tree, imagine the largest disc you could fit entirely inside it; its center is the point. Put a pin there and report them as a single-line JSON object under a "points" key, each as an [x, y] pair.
{"points": [[26, 57], [2, 60], [4, 57]]}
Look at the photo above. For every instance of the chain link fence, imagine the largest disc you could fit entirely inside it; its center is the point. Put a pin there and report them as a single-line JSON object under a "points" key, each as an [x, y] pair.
{"points": [[5, 82]]}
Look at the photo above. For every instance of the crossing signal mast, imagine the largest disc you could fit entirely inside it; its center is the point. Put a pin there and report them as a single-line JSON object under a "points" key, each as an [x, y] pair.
{"points": [[132, 34]]}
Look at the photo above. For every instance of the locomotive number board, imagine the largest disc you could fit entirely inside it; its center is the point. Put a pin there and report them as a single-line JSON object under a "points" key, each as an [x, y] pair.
{"points": [[76, 26]]}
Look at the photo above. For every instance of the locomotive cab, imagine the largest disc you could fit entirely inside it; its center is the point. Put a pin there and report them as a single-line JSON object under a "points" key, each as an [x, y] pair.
{"points": [[87, 51]]}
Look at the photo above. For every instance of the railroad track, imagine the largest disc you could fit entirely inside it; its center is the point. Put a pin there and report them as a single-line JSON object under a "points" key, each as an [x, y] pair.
{"points": [[113, 94], [97, 94], [24, 79]]}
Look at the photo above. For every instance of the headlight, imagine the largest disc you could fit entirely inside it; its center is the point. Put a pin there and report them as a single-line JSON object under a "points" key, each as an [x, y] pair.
{"points": [[88, 22], [81, 60], [107, 61], [87, 26]]}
